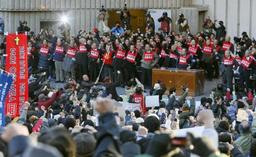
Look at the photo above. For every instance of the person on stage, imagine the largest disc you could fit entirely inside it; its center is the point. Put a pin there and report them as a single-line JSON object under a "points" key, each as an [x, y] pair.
{"points": [[245, 71], [118, 62], [184, 60], [173, 55], [228, 63], [107, 59], [44, 57], [93, 62], [69, 60], [130, 63], [207, 59], [82, 58], [148, 61], [194, 52], [58, 58]]}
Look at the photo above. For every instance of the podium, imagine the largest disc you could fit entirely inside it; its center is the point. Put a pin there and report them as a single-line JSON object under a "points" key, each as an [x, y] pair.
{"points": [[192, 79]]}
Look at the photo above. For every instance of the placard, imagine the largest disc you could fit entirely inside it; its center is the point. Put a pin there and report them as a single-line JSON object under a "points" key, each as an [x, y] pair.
{"points": [[152, 101]]}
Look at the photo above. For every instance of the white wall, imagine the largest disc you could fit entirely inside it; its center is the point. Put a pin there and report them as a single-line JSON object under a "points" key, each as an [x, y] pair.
{"points": [[238, 15]]}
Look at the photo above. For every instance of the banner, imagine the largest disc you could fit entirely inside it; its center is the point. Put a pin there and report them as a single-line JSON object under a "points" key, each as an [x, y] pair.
{"points": [[5, 84], [17, 64]]}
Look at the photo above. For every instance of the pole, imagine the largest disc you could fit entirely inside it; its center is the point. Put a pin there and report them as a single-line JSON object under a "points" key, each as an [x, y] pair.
{"points": [[98, 78]]}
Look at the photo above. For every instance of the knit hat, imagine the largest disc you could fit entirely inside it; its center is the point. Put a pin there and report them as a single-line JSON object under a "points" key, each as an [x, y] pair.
{"points": [[85, 145]]}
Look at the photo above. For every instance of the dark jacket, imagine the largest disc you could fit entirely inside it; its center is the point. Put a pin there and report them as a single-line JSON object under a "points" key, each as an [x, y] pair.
{"points": [[108, 143], [21, 146], [43, 61]]}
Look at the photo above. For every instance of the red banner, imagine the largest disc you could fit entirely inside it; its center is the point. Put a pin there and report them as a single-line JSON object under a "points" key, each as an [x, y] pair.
{"points": [[17, 64]]}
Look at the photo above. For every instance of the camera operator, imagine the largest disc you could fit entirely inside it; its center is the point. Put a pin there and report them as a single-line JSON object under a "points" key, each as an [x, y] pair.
{"points": [[23, 27], [150, 27], [220, 30], [182, 23], [165, 23]]}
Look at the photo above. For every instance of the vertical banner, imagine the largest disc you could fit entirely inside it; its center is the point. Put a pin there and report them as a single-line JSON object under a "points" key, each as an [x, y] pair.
{"points": [[5, 84], [17, 64]]}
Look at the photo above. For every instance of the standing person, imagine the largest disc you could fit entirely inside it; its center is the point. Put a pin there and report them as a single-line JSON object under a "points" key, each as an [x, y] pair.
{"points": [[44, 57], [148, 61], [138, 98], [32, 56], [69, 60], [245, 71], [150, 28], [193, 51], [228, 62], [58, 58], [118, 63], [207, 59], [130, 64], [217, 56], [227, 45], [164, 59], [82, 58], [173, 57], [183, 24], [220, 30], [107, 59], [165, 23], [183, 60], [206, 118], [93, 62]]}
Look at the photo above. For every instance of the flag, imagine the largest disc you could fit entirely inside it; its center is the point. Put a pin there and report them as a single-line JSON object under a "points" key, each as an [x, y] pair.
{"points": [[17, 64], [5, 84]]}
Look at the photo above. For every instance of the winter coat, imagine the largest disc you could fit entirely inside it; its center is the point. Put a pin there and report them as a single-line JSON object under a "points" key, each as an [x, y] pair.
{"points": [[43, 61], [107, 142], [21, 146]]}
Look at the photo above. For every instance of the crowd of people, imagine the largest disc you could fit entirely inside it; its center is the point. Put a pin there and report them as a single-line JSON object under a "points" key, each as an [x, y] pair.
{"points": [[84, 118]]}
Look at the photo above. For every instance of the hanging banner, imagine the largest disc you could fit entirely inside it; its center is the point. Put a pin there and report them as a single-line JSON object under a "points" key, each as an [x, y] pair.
{"points": [[5, 84], [17, 64]]}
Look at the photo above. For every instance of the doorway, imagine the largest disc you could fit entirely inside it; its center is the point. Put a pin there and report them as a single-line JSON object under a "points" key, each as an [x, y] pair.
{"points": [[138, 18], [201, 20]]}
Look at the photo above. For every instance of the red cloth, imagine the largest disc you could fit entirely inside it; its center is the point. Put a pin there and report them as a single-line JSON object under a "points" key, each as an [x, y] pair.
{"points": [[94, 54], [183, 60], [226, 45], [120, 54], [246, 62], [38, 125], [228, 95], [250, 96], [44, 50], [207, 49], [107, 58], [148, 56], [139, 98], [47, 103], [228, 61], [192, 50], [131, 56], [82, 48], [71, 52]]}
